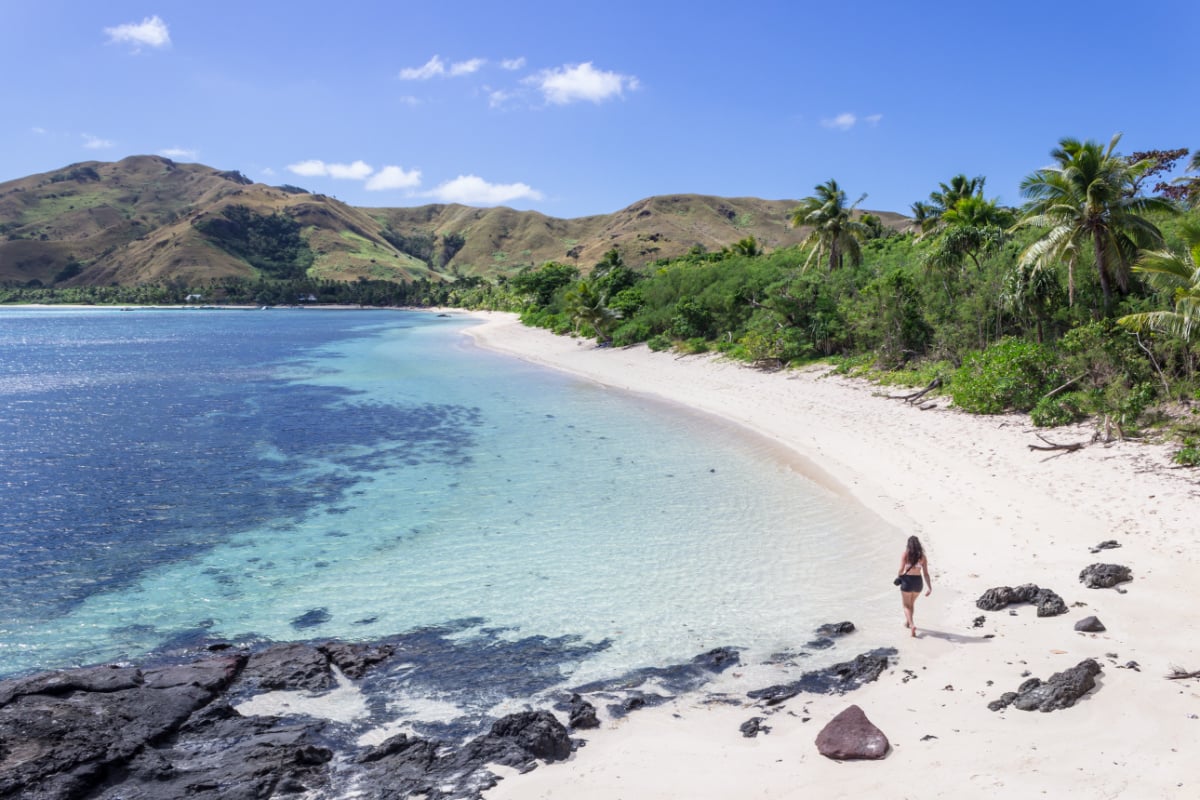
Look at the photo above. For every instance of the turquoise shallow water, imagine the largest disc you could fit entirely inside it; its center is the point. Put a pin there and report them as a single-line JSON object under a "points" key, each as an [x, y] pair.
{"points": [[356, 474]]}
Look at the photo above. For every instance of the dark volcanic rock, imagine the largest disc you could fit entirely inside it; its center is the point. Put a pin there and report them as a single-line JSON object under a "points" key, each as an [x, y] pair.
{"points": [[839, 678], [717, 660], [582, 714], [354, 659], [222, 755], [1104, 576], [534, 733], [835, 629], [1048, 603], [679, 678], [66, 731], [850, 735], [828, 632], [288, 667], [172, 730], [405, 766], [753, 727], [1090, 625], [1105, 545], [1061, 690]]}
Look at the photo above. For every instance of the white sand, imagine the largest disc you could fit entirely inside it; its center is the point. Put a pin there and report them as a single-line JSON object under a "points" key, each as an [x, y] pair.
{"points": [[990, 513]]}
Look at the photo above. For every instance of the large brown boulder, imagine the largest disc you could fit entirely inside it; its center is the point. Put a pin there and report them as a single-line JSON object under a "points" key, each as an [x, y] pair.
{"points": [[850, 735]]}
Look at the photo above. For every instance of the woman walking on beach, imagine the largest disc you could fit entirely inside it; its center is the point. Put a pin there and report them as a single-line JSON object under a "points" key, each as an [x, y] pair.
{"points": [[912, 566]]}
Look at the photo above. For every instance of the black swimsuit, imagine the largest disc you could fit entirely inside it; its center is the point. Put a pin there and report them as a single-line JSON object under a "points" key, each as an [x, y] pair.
{"points": [[911, 583]]}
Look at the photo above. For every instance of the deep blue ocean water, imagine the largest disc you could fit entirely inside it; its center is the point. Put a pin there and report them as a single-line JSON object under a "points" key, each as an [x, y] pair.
{"points": [[175, 475]]}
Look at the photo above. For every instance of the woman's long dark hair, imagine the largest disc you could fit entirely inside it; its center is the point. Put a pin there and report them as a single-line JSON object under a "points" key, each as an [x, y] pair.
{"points": [[913, 553]]}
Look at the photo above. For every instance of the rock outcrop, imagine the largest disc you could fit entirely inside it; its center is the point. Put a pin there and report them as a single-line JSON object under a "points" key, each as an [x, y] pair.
{"points": [[1048, 603], [1090, 625], [1104, 576], [1060, 690], [837, 679]]}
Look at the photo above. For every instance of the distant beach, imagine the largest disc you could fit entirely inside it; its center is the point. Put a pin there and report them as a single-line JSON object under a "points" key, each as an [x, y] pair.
{"points": [[991, 512]]}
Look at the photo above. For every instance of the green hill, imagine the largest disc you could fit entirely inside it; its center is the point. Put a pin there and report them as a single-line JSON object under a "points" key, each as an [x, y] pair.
{"points": [[148, 219]]}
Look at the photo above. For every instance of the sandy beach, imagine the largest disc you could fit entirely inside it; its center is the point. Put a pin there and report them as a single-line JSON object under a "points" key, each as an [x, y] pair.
{"points": [[991, 512]]}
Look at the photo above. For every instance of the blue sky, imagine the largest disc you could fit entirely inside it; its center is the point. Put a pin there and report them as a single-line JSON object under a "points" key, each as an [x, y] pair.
{"points": [[577, 108]]}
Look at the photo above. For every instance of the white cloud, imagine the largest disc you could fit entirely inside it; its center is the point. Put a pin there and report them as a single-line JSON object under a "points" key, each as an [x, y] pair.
{"points": [[409, 100], [512, 64], [39, 131], [393, 177], [150, 32], [436, 68], [309, 169], [846, 121], [353, 172], [270, 173], [499, 97], [179, 152], [473, 190], [431, 69], [466, 67], [96, 143], [842, 122], [568, 84], [315, 167]]}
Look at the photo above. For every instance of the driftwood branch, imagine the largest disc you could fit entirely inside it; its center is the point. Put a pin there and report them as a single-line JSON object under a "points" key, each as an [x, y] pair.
{"points": [[1178, 674], [1154, 361], [1069, 448], [915, 396], [1071, 382]]}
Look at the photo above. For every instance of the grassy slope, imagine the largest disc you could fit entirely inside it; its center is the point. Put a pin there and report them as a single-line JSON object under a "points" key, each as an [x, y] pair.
{"points": [[133, 221]]}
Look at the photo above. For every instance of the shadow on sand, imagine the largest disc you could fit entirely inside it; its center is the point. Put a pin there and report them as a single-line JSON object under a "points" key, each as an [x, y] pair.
{"points": [[957, 638]]}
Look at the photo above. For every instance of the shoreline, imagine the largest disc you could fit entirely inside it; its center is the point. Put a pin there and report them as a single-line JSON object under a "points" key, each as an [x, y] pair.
{"points": [[990, 512]]}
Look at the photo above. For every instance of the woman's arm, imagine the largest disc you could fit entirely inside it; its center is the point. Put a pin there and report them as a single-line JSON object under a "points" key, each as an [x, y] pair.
{"points": [[928, 580]]}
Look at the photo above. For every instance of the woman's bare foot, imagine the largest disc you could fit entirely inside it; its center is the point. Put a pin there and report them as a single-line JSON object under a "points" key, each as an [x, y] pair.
{"points": [[914, 631]]}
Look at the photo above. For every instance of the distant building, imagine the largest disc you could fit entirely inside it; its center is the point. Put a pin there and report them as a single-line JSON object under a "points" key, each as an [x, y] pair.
{"points": [[194, 298]]}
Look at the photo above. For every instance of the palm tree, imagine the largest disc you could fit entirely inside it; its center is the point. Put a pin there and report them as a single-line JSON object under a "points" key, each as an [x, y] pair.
{"points": [[960, 188], [587, 305], [1190, 184], [928, 216], [1178, 273], [925, 217], [747, 247], [835, 233], [1087, 199]]}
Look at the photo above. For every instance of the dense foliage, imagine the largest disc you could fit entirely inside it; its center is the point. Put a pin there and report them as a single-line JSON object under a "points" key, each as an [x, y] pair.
{"points": [[272, 244]]}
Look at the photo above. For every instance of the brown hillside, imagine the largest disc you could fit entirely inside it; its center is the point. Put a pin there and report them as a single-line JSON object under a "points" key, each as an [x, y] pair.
{"points": [[136, 221], [147, 218]]}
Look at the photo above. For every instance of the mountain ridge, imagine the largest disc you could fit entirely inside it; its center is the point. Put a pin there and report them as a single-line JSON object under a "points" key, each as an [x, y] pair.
{"points": [[147, 219]]}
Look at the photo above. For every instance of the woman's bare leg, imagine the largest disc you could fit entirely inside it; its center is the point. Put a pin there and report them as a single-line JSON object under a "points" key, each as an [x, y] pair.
{"points": [[908, 599]]}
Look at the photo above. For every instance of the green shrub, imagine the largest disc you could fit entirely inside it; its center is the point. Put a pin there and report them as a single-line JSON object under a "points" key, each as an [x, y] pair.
{"points": [[660, 342], [1189, 454], [631, 332], [1063, 409], [1011, 374]]}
